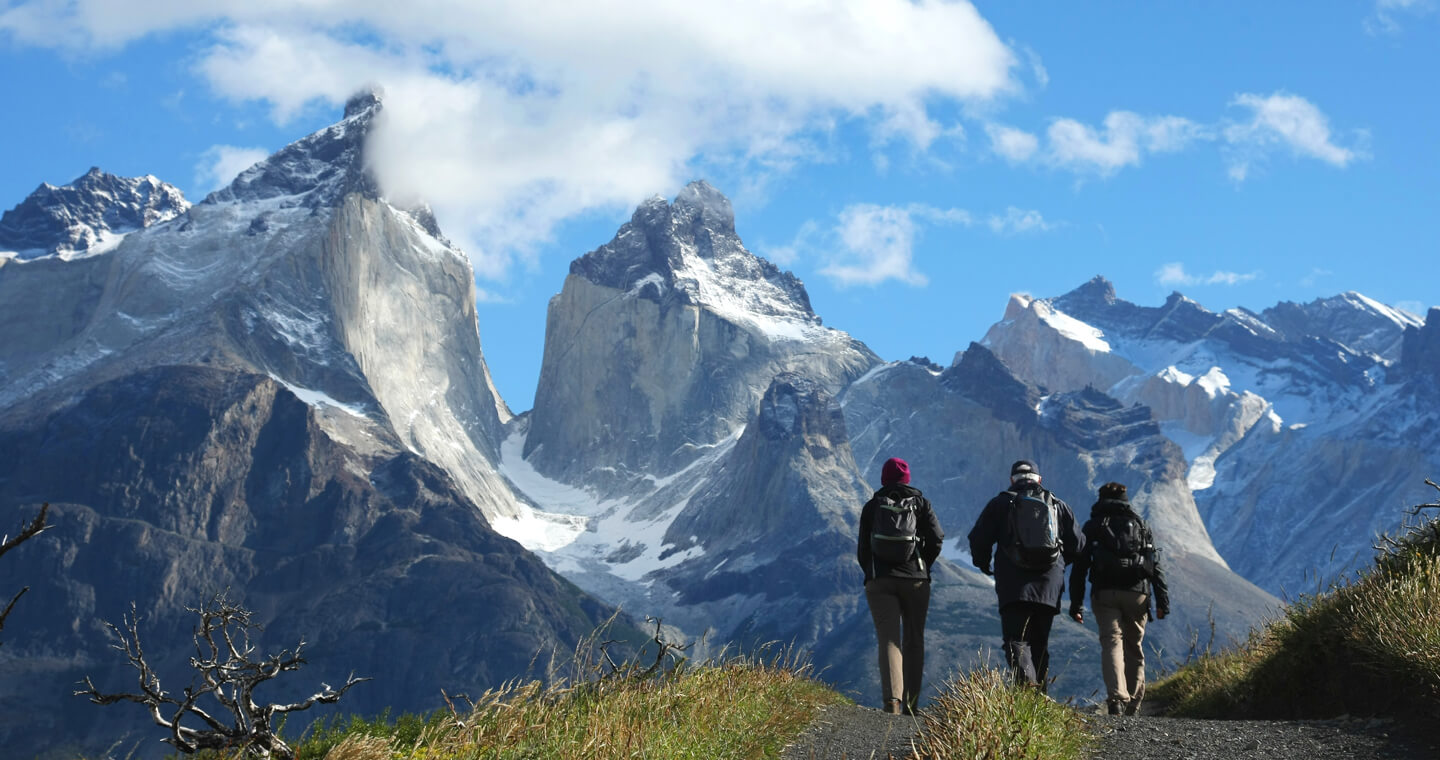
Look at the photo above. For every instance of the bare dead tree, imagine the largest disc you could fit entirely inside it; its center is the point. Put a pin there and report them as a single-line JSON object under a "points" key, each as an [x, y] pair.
{"points": [[227, 672], [663, 649], [27, 531], [1418, 508]]}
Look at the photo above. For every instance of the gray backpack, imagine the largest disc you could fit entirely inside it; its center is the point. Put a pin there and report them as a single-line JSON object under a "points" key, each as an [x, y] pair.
{"points": [[894, 529], [1034, 531]]}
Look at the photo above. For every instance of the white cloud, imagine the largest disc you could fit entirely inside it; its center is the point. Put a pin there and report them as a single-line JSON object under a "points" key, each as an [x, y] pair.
{"points": [[1125, 139], [877, 243], [1385, 19], [1281, 120], [511, 115], [1017, 221], [221, 164], [1012, 144], [1418, 308], [1174, 274], [1316, 274]]}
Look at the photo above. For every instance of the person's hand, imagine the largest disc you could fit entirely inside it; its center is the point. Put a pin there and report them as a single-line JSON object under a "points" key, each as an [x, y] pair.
{"points": [[1077, 615], [1160, 614], [985, 569]]}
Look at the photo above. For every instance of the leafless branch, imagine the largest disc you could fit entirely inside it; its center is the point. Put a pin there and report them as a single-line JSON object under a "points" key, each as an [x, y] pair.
{"points": [[27, 531], [663, 648], [228, 672], [1418, 508]]}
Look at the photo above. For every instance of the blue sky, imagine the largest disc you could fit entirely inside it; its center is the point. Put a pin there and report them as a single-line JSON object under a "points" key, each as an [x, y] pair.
{"points": [[913, 162]]}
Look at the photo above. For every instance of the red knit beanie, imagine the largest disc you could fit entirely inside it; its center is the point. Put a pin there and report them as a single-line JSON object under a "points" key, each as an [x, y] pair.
{"points": [[894, 471]]}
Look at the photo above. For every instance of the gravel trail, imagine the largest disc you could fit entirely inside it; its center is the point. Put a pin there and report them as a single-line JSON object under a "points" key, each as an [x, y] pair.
{"points": [[1152, 738], [851, 732]]}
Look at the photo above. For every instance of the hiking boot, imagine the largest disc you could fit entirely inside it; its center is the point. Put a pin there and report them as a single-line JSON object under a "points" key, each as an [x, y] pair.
{"points": [[1112, 707], [894, 706], [1132, 707]]}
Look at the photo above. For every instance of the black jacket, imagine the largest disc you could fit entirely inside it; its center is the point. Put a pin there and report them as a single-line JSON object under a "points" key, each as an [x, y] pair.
{"points": [[927, 528], [1016, 584], [1084, 560]]}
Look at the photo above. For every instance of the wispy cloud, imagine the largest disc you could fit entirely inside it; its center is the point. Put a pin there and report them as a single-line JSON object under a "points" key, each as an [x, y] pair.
{"points": [[1015, 145], [871, 244], [1016, 221], [876, 244], [1174, 274], [1123, 140], [1279, 121], [1314, 277], [1285, 121], [1386, 17], [221, 164], [1417, 308]]}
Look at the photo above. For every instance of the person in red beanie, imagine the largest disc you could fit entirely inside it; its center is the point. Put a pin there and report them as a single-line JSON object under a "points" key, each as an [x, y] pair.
{"points": [[899, 540]]}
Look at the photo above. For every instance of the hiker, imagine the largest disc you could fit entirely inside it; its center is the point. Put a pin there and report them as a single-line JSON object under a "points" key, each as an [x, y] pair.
{"points": [[899, 541], [1035, 533], [1119, 557]]}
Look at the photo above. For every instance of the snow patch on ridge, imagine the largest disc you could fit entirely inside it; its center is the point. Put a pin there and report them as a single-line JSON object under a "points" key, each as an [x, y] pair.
{"points": [[1090, 337], [320, 399]]}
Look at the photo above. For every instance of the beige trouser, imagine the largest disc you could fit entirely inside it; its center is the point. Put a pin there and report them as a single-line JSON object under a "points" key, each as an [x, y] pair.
{"points": [[898, 606], [1121, 616]]}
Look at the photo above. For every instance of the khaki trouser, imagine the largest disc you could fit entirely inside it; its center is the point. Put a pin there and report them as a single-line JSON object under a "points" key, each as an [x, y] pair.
{"points": [[898, 606], [1121, 616]]}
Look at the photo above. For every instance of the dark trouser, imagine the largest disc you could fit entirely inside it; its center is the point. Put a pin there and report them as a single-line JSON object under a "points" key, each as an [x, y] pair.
{"points": [[898, 606], [1025, 628]]}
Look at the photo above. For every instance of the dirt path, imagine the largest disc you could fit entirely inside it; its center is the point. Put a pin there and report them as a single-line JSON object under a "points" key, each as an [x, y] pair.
{"points": [[1189, 739], [851, 732]]}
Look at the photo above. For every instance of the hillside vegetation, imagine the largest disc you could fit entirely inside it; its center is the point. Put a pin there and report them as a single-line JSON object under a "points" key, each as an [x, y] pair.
{"points": [[743, 707], [1369, 645]]}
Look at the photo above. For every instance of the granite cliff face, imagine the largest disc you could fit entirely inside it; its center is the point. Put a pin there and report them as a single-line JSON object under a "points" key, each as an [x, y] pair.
{"points": [[280, 392], [662, 342]]}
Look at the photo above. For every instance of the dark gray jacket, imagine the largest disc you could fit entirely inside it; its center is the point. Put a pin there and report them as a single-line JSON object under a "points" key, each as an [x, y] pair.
{"points": [[1012, 583], [927, 528]]}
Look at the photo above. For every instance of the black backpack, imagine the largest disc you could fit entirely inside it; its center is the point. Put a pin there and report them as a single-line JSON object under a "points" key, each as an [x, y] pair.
{"points": [[894, 535], [1124, 553], [1033, 537]]}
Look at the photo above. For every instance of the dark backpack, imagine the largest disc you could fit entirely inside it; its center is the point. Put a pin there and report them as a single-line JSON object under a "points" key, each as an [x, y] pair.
{"points": [[1124, 553], [1033, 540], [894, 535]]}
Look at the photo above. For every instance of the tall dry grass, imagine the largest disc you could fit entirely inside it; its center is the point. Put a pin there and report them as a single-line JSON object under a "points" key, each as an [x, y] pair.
{"points": [[983, 715], [1369, 644]]}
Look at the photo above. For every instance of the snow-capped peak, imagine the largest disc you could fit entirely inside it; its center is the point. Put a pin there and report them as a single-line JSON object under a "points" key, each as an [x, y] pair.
{"points": [[315, 171], [688, 250], [86, 217]]}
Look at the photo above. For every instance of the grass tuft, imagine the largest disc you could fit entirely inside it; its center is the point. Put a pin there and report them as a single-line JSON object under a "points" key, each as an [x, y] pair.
{"points": [[983, 715]]}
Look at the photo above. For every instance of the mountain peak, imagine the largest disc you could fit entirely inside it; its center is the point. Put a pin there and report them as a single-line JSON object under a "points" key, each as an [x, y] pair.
{"points": [[1098, 290], [713, 208], [363, 101], [316, 171], [87, 216], [689, 250]]}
